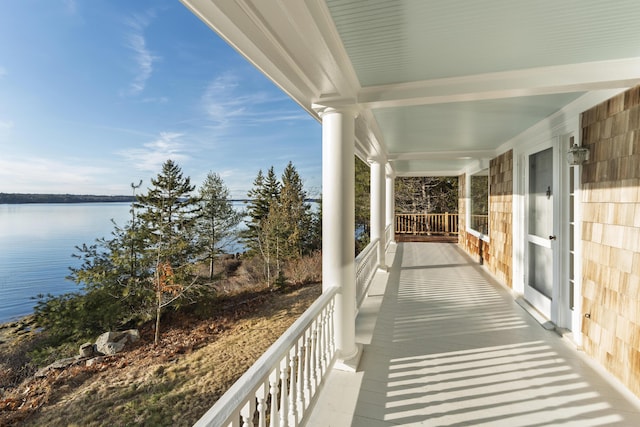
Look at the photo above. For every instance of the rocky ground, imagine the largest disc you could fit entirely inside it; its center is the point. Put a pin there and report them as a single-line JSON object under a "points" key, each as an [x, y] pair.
{"points": [[172, 384]]}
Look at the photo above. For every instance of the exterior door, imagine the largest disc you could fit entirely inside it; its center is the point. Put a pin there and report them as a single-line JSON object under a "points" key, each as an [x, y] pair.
{"points": [[540, 230]]}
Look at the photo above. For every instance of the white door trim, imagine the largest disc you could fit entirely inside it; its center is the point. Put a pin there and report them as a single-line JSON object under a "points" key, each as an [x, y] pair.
{"points": [[547, 306]]}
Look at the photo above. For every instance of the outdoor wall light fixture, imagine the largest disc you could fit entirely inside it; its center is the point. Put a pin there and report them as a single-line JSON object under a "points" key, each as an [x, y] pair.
{"points": [[577, 155]]}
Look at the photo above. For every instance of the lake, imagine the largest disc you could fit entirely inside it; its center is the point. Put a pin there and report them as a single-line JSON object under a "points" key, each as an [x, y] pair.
{"points": [[37, 241], [36, 244]]}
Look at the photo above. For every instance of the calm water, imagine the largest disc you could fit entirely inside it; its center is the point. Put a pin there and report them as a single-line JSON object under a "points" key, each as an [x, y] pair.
{"points": [[36, 243]]}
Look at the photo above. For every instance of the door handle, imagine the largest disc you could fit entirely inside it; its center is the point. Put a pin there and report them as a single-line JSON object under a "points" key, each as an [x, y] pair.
{"points": [[552, 237]]}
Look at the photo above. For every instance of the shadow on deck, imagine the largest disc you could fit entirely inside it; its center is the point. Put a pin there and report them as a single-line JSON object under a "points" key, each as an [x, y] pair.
{"points": [[445, 345]]}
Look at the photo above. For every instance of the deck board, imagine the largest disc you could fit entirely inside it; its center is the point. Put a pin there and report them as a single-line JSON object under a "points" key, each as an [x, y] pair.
{"points": [[444, 345]]}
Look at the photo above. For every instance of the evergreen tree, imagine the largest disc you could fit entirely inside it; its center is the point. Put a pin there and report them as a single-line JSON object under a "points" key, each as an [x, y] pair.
{"points": [[168, 214], [265, 191], [115, 291], [216, 227], [270, 242], [315, 236], [296, 227], [257, 209], [145, 266]]}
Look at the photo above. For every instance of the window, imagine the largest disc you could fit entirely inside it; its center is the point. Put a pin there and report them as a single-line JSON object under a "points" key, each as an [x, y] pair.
{"points": [[479, 202]]}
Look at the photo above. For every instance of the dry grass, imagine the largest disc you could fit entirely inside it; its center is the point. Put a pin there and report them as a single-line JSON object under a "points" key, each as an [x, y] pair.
{"points": [[168, 386]]}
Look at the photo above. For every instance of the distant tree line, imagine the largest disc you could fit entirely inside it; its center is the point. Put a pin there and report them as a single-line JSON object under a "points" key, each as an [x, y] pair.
{"points": [[17, 198]]}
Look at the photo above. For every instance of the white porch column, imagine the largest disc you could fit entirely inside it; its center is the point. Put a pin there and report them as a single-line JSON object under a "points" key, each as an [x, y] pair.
{"points": [[338, 226], [391, 205], [377, 212]]}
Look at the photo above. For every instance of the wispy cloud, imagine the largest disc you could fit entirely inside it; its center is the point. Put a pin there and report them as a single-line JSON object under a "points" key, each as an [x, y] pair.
{"points": [[155, 100], [142, 56], [3, 71], [152, 155], [226, 100], [41, 174]]}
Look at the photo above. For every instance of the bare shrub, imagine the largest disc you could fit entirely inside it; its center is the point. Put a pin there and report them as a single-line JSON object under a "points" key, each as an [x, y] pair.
{"points": [[305, 270], [15, 364], [251, 271]]}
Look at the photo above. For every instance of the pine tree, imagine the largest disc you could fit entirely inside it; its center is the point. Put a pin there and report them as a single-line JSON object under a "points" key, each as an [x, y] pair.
{"points": [[216, 227], [168, 214], [265, 191], [145, 266], [296, 228]]}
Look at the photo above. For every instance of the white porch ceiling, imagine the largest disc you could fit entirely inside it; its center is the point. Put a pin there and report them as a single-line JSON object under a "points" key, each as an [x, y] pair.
{"points": [[441, 84]]}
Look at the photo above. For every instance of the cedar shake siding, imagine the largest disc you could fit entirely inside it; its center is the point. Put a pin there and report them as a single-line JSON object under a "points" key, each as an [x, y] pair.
{"points": [[611, 236], [501, 217], [496, 254]]}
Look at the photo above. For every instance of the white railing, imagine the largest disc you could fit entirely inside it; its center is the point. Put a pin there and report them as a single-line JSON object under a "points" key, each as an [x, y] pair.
{"points": [[388, 236], [281, 386], [366, 265]]}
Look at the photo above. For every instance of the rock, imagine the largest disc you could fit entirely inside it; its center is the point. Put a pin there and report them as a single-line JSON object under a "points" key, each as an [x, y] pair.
{"points": [[114, 342], [134, 334], [58, 364], [95, 360], [112, 347], [86, 349]]}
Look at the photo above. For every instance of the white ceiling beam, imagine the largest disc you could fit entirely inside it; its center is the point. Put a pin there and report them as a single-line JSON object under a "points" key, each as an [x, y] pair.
{"points": [[443, 155], [509, 84], [429, 173]]}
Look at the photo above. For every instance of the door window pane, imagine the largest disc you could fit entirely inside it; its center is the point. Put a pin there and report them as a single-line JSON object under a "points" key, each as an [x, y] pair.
{"points": [[540, 193], [540, 269]]}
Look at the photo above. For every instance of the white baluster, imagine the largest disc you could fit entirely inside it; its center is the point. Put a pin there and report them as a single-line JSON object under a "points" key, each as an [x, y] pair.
{"points": [[300, 377], [332, 325], [321, 359], [273, 392], [314, 357], [307, 365], [247, 412], [284, 395], [325, 341], [261, 395], [293, 387]]}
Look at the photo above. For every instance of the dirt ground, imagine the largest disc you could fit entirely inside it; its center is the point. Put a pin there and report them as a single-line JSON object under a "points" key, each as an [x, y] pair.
{"points": [[173, 384]]}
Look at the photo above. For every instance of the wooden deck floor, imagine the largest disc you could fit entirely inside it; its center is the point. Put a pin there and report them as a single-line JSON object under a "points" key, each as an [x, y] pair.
{"points": [[444, 345]]}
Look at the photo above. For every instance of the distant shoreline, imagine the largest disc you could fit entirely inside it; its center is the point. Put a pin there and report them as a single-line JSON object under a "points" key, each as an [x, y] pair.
{"points": [[23, 198]]}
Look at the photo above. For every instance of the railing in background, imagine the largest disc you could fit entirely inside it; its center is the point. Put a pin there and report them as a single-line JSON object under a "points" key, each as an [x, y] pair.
{"points": [[427, 224], [366, 264], [281, 386], [480, 223]]}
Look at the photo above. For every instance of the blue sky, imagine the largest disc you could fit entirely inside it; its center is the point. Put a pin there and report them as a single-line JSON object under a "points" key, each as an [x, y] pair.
{"points": [[97, 94]]}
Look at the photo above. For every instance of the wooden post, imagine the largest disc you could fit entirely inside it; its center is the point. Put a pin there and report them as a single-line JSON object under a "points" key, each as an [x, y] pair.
{"points": [[446, 223]]}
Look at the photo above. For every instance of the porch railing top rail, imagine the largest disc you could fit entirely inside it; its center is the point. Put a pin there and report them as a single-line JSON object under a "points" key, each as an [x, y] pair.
{"points": [[366, 265]]}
